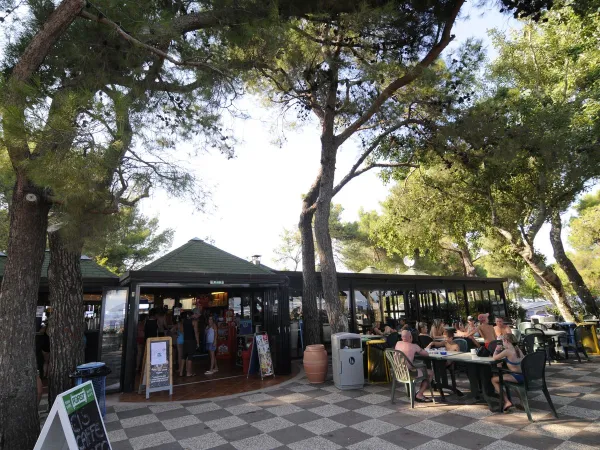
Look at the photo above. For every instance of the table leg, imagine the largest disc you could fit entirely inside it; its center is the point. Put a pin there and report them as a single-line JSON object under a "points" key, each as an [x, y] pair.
{"points": [[439, 372]]}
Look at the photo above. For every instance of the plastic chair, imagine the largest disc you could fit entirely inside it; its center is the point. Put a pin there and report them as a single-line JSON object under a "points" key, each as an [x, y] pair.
{"points": [[540, 342], [540, 326], [404, 371], [492, 347], [577, 345], [533, 367]]}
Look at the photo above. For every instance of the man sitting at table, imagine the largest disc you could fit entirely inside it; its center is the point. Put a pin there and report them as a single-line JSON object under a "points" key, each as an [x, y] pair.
{"points": [[501, 329], [410, 350]]}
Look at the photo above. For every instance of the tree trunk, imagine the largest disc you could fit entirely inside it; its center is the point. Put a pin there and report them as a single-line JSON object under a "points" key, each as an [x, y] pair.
{"points": [[66, 326], [335, 312], [569, 268], [465, 256], [310, 311], [551, 283], [19, 421]]}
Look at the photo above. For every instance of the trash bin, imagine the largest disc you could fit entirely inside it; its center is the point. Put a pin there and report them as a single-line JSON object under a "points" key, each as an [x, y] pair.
{"points": [[347, 361], [96, 372], [377, 369], [589, 338]]}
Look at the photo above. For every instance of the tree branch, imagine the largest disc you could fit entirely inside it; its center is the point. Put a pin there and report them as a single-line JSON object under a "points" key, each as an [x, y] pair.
{"points": [[156, 51], [411, 75]]}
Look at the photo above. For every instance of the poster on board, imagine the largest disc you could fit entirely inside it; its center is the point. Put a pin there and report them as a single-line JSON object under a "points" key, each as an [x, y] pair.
{"points": [[264, 355], [157, 366], [74, 422]]}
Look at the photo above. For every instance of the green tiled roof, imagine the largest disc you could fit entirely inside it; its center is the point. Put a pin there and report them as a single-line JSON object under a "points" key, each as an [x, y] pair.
{"points": [[89, 269], [199, 257]]}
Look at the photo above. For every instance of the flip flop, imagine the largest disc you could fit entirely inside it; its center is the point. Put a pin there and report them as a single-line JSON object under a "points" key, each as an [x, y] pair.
{"points": [[191, 375], [423, 400], [506, 409]]}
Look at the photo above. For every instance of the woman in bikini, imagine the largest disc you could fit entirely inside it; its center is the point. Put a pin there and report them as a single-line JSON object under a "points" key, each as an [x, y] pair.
{"points": [[512, 355]]}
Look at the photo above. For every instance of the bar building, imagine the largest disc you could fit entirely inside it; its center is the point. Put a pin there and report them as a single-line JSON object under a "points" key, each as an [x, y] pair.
{"points": [[257, 298]]}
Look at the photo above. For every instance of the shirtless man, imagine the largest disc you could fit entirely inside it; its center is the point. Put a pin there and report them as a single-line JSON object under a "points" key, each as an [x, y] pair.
{"points": [[485, 330], [410, 350], [501, 329]]}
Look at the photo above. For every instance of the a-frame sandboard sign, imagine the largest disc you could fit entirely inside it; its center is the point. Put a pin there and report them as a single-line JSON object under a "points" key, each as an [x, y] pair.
{"points": [[260, 358], [157, 366], [74, 422]]}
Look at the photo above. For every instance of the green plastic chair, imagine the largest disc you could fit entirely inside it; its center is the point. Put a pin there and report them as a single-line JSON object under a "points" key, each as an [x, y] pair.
{"points": [[533, 366], [404, 371]]}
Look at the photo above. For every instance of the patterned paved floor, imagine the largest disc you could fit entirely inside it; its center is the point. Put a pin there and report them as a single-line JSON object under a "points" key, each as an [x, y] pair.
{"points": [[301, 416]]}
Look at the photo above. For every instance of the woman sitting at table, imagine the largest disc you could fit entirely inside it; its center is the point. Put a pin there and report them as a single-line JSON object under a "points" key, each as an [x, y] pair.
{"points": [[437, 329], [422, 329], [381, 329], [512, 355]]}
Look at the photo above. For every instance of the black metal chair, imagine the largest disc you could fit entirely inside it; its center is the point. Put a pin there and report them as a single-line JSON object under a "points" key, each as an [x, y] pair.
{"points": [[462, 345], [576, 346], [533, 367], [539, 342], [424, 341], [392, 340]]}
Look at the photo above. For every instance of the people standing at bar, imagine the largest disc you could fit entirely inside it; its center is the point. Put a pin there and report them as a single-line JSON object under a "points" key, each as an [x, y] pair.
{"points": [[161, 322], [151, 325], [210, 338], [45, 348], [140, 340], [191, 339]]}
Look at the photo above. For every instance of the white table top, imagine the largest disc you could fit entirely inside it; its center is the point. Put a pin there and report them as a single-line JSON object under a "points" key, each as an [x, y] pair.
{"points": [[461, 356]]}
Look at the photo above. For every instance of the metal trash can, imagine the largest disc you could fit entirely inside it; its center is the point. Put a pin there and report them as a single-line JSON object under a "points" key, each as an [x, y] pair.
{"points": [[377, 368], [347, 361], [97, 373], [590, 338]]}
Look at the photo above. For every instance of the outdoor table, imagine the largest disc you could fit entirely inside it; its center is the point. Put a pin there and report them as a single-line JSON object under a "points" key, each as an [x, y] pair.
{"points": [[550, 335], [475, 370]]}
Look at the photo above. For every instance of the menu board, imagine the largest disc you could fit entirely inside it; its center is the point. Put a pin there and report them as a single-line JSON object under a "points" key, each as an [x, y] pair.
{"points": [[85, 419], [264, 355], [157, 366], [74, 422]]}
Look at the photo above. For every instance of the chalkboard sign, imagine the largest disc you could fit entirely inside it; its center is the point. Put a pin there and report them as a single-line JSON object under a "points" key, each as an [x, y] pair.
{"points": [[74, 422], [157, 366], [85, 418]]}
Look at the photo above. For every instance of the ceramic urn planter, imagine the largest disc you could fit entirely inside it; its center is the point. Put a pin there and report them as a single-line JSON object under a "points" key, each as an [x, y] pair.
{"points": [[315, 363]]}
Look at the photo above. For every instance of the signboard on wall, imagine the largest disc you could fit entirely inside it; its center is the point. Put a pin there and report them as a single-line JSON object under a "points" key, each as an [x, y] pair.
{"points": [[74, 422], [157, 366]]}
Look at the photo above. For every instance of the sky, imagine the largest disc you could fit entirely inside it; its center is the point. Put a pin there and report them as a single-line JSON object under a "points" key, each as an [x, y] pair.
{"points": [[258, 194]]}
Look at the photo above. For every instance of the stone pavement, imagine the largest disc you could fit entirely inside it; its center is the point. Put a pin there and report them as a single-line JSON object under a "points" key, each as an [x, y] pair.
{"points": [[301, 416]]}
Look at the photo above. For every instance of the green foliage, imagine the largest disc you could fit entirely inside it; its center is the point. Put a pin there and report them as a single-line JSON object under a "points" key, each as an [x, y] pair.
{"points": [[584, 237], [130, 241], [289, 252], [515, 310]]}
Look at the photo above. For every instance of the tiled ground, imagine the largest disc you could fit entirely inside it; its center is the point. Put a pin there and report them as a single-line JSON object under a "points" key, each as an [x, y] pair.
{"points": [[301, 416]]}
